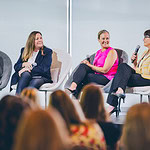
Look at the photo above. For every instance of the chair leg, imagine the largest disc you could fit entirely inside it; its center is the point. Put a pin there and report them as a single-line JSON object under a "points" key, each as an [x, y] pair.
{"points": [[45, 99], [141, 96], [149, 98], [118, 107]]}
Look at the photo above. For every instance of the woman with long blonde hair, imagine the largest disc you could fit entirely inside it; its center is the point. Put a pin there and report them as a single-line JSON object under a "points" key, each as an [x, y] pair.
{"points": [[33, 66]]}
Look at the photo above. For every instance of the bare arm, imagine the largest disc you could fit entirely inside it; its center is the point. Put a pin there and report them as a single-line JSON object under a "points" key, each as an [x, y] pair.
{"points": [[110, 60]]}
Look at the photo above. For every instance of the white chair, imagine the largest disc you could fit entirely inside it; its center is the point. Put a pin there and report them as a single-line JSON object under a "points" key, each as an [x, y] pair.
{"points": [[61, 64], [143, 90]]}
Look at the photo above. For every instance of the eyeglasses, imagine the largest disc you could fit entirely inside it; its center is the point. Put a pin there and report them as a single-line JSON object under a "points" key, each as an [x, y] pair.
{"points": [[146, 36]]}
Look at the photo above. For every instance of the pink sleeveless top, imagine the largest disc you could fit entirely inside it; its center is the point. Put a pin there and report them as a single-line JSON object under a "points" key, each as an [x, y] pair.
{"points": [[99, 61]]}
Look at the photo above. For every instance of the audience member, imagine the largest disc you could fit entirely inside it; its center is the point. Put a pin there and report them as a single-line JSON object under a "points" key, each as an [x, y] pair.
{"points": [[136, 130], [101, 71], [31, 96], [40, 130], [138, 75], [86, 134], [92, 103], [33, 66], [11, 109]]}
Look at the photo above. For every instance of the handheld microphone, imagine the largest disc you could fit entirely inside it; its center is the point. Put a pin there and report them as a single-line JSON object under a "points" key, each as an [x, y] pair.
{"points": [[135, 53], [34, 64], [88, 58]]}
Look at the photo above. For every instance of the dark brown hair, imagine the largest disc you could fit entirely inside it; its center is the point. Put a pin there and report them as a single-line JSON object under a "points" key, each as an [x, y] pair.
{"points": [[11, 109], [92, 103], [62, 102]]}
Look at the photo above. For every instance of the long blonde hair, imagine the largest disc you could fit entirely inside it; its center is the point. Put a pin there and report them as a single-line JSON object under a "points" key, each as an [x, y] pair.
{"points": [[30, 46]]}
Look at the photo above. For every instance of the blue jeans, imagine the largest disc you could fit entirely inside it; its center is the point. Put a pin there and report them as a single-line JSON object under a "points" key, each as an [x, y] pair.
{"points": [[26, 80]]}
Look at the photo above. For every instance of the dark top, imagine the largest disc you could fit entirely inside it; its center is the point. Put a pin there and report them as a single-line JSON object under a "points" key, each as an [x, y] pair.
{"points": [[112, 132], [41, 69]]}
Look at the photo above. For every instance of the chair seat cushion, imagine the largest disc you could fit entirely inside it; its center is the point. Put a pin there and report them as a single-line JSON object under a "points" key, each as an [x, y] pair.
{"points": [[139, 90], [44, 87]]}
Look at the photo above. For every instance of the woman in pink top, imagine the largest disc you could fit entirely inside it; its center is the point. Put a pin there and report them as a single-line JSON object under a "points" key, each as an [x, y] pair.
{"points": [[101, 71]]}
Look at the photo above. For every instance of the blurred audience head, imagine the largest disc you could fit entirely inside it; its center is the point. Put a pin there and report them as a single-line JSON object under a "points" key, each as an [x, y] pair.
{"points": [[136, 130], [62, 102], [11, 109], [41, 130], [92, 103], [31, 96]]}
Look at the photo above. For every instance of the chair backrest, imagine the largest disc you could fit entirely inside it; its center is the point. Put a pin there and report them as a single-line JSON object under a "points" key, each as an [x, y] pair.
{"points": [[61, 63], [122, 55], [6, 69], [123, 58]]}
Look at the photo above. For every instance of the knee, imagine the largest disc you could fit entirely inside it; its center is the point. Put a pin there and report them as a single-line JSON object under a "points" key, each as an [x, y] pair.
{"points": [[26, 75], [83, 66], [122, 65]]}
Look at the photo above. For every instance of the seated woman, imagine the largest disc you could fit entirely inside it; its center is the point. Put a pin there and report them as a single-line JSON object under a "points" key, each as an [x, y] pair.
{"points": [[92, 103], [136, 130], [33, 66], [83, 133], [138, 75], [103, 69]]}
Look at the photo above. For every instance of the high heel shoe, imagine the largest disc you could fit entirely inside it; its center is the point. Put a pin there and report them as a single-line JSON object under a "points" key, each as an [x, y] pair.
{"points": [[111, 112], [115, 110], [73, 92]]}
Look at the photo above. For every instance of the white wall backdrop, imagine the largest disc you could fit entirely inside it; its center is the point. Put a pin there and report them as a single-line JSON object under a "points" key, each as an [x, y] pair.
{"points": [[20, 17], [126, 20]]}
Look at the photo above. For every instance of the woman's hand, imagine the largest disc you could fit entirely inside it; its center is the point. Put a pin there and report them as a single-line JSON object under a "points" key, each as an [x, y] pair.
{"points": [[85, 62], [134, 59], [27, 65], [23, 70]]}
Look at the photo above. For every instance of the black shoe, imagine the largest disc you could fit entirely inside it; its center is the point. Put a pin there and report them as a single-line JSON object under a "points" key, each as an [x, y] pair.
{"points": [[119, 95], [114, 110], [73, 92]]}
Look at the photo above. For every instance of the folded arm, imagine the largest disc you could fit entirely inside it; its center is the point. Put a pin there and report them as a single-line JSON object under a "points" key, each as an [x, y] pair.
{"points": [[110, 60]]}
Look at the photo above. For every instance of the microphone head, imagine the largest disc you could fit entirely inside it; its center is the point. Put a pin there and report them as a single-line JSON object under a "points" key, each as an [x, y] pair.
{"points": [[88, 58], [137, 49]]}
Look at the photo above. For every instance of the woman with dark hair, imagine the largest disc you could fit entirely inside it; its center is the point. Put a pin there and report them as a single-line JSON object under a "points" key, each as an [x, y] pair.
{"points": [[84, 133], [92, 103], [101, 71], [11, 110], [33, 66], [138, 75]]}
